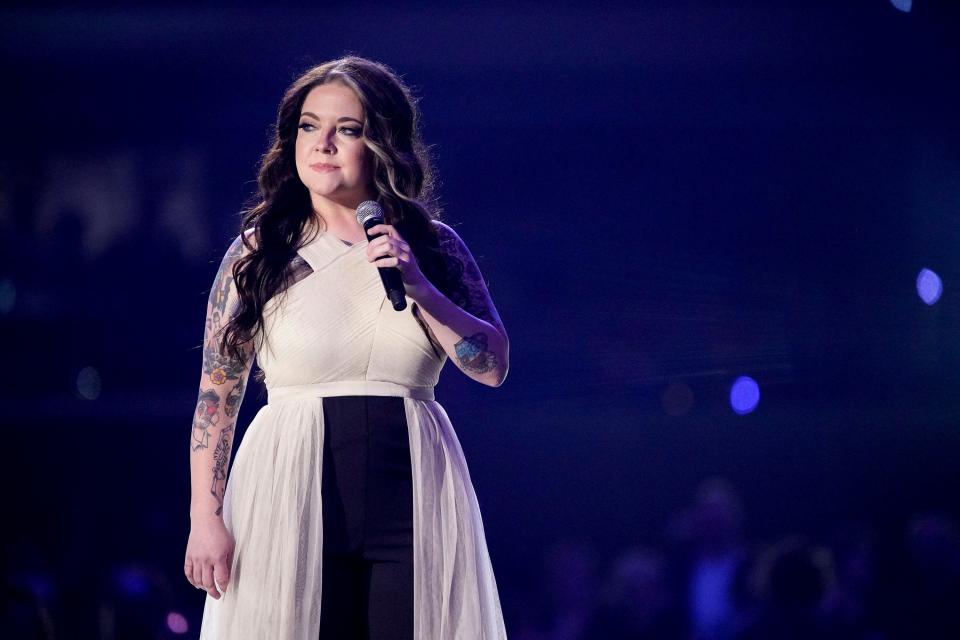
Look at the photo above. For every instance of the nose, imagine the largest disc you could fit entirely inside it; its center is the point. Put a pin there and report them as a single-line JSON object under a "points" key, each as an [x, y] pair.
{"points": [[325, 142]]}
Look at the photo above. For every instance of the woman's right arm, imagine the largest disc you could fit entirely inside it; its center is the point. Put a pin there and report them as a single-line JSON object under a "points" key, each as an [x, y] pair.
{"points": [[223, 380]]}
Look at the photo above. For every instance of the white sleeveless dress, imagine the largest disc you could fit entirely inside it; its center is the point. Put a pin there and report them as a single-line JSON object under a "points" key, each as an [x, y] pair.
{"points": [[334, 333]]}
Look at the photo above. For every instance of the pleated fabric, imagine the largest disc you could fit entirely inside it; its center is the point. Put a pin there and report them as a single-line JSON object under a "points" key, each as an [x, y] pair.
{"points": [[332, 335]]}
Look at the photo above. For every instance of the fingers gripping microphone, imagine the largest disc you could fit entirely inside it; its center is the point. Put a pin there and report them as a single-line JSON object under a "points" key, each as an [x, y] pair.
{"points": [[369, 213]]}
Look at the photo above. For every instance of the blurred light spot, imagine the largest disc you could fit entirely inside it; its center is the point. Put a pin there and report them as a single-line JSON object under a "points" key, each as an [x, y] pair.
{"points": [[177, 623], [8, 295], [88, 383], [929, 286], [40, 584], [903, 5], [744, 395], [132, 581], [677, 399]]}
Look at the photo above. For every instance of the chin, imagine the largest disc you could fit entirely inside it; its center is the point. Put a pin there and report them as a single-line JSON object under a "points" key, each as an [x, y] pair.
{"points": [[327, 191], [345, 197]]}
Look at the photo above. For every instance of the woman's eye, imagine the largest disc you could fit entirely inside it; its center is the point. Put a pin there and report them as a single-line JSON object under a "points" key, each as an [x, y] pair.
{"points": [[350, 131]]}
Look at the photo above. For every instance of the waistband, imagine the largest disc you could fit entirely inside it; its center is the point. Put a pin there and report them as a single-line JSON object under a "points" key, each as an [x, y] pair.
{"points": [[347, 388]]}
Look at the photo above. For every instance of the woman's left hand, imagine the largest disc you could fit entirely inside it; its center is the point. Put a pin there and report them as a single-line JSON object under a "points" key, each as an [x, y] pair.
{"points": [[399, 255]]}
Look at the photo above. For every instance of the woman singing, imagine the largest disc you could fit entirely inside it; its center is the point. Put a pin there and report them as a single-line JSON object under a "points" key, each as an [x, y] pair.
{"points": [[350, 512]]}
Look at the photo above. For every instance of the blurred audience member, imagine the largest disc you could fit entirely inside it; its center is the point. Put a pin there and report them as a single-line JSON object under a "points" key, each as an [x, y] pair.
{"points": [[850, 607], [29, 603], [636, 603], [792, 579], [929, 596], [713, 557], [567, 594], [23, 613]]}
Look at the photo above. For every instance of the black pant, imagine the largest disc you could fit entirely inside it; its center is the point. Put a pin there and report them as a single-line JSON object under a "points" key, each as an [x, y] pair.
{"points": [[367, 497]]}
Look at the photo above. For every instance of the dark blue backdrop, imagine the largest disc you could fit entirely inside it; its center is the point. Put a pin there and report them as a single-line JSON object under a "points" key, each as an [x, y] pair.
{"points": [[662, 197]]}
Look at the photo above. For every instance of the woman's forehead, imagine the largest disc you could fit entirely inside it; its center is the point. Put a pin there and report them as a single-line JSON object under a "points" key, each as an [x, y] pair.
{"points": [[332, 100]]}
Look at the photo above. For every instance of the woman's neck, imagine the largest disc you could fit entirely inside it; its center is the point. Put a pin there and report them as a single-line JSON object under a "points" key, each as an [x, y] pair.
{"points": [[338, 216]]}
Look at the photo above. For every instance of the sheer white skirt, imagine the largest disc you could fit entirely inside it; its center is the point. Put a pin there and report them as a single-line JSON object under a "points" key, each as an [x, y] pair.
{"points": [[273, 509]]}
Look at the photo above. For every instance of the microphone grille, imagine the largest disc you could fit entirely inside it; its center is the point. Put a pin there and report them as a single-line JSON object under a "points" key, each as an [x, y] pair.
{"points": [[368, 209]]}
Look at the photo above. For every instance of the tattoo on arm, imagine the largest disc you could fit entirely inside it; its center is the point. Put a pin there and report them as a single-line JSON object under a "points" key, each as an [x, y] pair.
{"points": [[473, 355], [468, 290], [217, 366], [234, 398], [220, 292], [216, 409], [207, 416], [221, 455], [220, 367]]}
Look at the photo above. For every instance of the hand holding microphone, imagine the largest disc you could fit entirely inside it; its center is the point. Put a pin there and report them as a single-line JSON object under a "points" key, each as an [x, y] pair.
{"points": [[394, 258]]}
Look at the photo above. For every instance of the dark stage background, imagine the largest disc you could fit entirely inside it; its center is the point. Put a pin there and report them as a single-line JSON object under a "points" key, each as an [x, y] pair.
{"points": [[663, 196]]}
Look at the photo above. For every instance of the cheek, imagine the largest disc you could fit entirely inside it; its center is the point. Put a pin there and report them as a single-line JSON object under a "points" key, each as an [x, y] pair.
{"points": [[364, 159], [300, 149]]}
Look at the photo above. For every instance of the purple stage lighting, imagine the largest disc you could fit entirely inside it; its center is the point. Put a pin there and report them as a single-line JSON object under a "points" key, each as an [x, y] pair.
{"points": [[929, 286], [88, 383], [744, 395], [132, 581], [177, 623]]}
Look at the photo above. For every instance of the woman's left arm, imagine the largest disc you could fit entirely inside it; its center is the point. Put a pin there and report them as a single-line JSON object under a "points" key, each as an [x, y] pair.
{"points": [[468, 327]]}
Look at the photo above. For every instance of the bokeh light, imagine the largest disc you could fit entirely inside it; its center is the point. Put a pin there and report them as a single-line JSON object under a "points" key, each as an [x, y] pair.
{"points": [[744, 395], [88, 383], [177, 623], [132, 581], [40, 584], [929, 286], [902, 5]]}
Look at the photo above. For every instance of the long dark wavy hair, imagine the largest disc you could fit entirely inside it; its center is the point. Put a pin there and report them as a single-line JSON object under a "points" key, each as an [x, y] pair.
{"points": [[282, 212]]}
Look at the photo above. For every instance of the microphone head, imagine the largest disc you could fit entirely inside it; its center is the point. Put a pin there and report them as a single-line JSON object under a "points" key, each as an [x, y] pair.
{"points": [[367, 210]]}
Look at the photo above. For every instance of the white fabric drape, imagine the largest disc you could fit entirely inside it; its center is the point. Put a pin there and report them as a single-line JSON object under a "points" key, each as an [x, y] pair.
{"points": [[273, 509]]}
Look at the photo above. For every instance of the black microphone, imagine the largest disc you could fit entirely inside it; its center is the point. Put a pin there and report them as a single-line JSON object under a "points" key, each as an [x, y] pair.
{"points": [[370, 214]]}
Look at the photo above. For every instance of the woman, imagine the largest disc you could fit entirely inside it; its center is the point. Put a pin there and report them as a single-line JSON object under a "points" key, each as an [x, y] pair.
{"points": [[350, 512]]}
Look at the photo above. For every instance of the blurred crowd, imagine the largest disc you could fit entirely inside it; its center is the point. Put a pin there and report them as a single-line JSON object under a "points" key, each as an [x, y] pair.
{"points": [[709, 580]]}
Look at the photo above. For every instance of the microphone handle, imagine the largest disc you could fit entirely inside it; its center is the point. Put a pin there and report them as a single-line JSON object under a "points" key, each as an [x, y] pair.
{"points": [[393, 283], [390, 276]]}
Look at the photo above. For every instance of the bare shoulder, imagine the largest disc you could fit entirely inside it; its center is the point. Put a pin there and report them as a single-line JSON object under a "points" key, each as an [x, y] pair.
{"points": [[240, 246], [237, 249]]}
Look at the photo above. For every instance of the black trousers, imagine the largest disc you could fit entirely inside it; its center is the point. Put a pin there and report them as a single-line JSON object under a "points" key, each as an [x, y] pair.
{"points": [[367, 495]]}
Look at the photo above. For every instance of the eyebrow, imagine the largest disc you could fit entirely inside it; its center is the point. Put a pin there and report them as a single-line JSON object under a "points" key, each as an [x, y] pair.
{"points": [[340, 119]]}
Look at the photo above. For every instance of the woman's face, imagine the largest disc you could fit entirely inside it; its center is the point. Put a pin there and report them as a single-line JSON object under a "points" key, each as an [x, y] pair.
{"points": [[332, 160]]}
